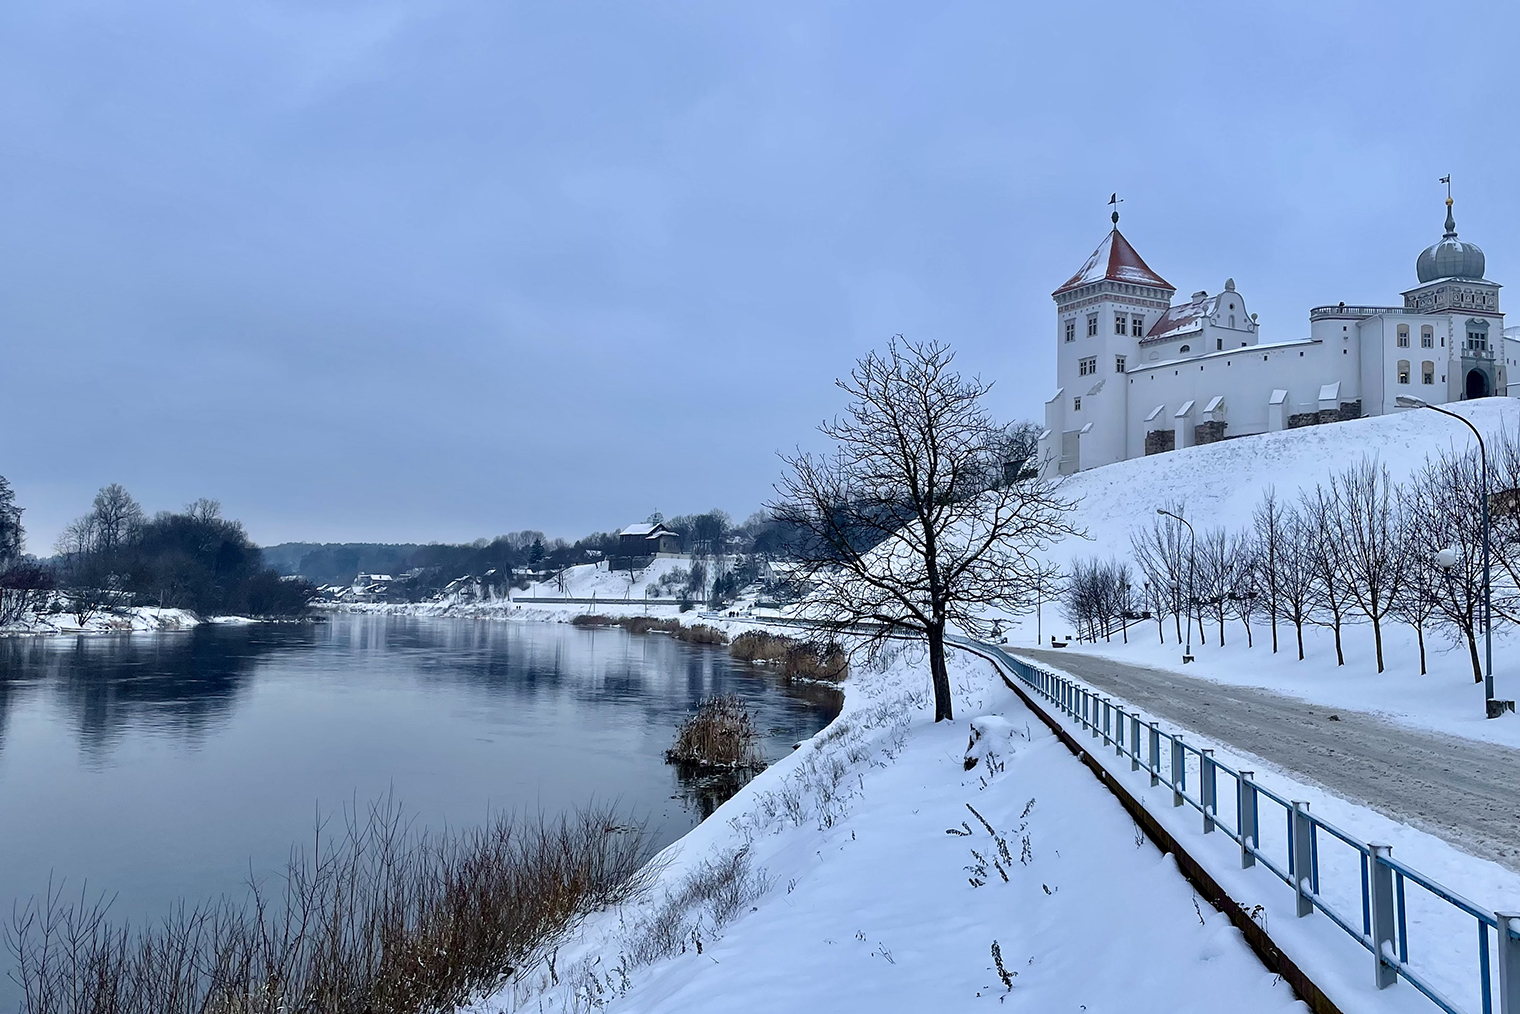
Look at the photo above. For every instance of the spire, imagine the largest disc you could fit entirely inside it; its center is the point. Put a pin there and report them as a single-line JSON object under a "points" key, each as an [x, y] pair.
{"points": [[1115, 200], [1451, 223]]}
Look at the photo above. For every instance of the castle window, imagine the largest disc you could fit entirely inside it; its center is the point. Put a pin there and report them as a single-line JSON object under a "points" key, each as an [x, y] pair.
{"points": [[1427, 372], [1232, 320], [1118, 364], [1121, 323], [1071, 330], [1218, 344], [1076, 404], [1427, 338], [1092, 325], [1403, 371], [1403, 336], [1087, 367], [1477, 341], [1137, 326], [1186, 348]]}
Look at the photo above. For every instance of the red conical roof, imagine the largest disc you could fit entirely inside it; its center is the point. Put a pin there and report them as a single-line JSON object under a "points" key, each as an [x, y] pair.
{"points": [[1116, 261]]}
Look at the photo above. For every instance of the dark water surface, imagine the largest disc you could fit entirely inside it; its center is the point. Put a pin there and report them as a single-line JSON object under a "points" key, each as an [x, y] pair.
{"points": [[160, 766]]}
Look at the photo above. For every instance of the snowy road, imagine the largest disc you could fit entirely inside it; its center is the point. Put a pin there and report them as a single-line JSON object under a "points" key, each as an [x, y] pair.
{"points": [[1461, 790]]}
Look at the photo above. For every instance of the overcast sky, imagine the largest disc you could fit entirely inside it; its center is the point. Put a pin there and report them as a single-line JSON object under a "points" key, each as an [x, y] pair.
{"points": [[441, 270]]}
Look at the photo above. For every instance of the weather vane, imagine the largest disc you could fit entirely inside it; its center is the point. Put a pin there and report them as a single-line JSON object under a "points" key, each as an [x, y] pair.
{"points": [[1447, 180], [1115, 200]]}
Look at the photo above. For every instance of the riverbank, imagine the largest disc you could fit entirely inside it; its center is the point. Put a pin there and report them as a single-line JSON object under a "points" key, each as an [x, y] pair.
{"points": [[871, 871], [133, 619]]}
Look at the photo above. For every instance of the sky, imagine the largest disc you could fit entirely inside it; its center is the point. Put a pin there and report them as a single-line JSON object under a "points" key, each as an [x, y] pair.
{"points": [[437, 271]]}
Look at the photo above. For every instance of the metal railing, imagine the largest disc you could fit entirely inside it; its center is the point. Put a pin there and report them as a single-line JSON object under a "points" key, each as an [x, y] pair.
{"points": [[1377, 912]]}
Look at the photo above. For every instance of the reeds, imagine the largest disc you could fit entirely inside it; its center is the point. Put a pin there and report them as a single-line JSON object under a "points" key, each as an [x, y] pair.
{"points": [[378, 918], [818, 660], [720, 735]]}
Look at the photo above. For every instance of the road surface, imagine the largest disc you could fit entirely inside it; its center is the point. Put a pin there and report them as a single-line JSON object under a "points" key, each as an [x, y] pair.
{"points": [[1464, 791]]}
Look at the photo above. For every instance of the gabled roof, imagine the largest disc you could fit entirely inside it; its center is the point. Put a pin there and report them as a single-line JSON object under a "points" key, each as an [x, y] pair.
{"points": [[646, 530], [1183, 318], [1115, 260]]}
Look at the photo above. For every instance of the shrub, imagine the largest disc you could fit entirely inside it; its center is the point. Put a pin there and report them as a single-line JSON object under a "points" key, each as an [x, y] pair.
{"points": [[593, 620], [759, 646], [720, 735], [701, 633], [816, 660], [644, 624]]}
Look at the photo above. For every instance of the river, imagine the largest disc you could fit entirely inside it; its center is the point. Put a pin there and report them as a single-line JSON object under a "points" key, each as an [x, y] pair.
{"points": [[155, 767]]}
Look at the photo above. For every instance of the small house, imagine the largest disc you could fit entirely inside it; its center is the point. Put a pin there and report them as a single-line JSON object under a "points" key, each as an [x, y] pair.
{"points": [[648, 539]]}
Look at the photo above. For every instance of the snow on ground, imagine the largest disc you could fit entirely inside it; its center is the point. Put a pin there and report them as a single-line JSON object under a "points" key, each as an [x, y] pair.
{"points": [[133, 619], [872, 886], [1443, 944], [1221, 484]]}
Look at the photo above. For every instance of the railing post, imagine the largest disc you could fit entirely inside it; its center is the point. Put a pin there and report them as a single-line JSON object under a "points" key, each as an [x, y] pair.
{"points": [[1380, 888], [1509, 965], [1179, 769], [1155, 755], [1092, 713], [1134, 742], [1118, 732], [1108, 714], [1245, 813], [1299, 863], [1208, 789]]}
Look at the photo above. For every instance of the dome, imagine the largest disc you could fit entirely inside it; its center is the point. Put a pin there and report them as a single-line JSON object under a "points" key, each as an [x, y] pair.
{"points": [[1450, 258]]}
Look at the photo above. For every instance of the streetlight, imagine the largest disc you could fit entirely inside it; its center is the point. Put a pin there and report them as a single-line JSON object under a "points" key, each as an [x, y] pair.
{"points": [[1405, 401], [1187, 652]]}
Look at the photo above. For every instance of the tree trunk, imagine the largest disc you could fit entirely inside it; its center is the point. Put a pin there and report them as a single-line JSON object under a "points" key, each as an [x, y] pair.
{"points": [[1340, 656], [1419, 633], [942, 710], [1300, 627], [1247, 624], [1472, 649], [1377, 639]]}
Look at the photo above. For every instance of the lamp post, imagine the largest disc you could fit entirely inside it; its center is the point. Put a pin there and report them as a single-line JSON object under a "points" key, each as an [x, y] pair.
{"points": [[1405, 401], [1187, 652]]}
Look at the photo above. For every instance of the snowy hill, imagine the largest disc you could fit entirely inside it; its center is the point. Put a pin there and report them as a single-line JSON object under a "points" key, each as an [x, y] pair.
{"points": [[1222, 483]]}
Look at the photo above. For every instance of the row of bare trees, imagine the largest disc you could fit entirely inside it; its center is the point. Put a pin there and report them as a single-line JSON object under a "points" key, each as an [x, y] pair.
{"points": [[1359, 549]]}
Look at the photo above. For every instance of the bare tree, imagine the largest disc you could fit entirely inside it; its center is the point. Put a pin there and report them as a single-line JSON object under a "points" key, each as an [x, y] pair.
{"points": [[116, 517], [1420, 591], [1365, 525], [1444, 497], [1331, 591], [906, 526], [1245, 567], [1267, 522], [1161, 552], [1216, 574], [1296, 572]]}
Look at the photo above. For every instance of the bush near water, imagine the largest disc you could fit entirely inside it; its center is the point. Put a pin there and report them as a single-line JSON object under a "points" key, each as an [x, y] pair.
{"points": [[799, 658]]}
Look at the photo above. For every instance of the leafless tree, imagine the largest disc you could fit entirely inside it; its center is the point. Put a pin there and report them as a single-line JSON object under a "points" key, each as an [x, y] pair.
{"points": [[1216, 575], [1245, 565], [116, 517], [1157, 599], [1421, 588], [1096, 595], [1444, 500], [1268, 525], [1364, 523], [1161, 552], [1331, 590], [1296, 572], [906, 527]]}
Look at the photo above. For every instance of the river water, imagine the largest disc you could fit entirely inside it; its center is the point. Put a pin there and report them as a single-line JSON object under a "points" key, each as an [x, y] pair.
{"points": [[155, 767]]}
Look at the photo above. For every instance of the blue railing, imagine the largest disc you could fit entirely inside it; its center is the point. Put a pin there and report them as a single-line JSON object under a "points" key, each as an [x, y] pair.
{"points": [[1376, 912]]}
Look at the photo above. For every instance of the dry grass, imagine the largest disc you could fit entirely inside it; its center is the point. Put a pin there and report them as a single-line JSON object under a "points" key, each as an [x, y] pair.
{"points": [[592, 620], [701, 633], [823, 661], [720, 735], [381, 919]]}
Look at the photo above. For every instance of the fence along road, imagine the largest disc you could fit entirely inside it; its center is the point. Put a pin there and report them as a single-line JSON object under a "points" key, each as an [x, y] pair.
{"points": [[1459, 789]]}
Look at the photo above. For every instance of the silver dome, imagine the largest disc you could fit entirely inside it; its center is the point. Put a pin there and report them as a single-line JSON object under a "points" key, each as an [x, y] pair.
{"points": [[1450, 258]]}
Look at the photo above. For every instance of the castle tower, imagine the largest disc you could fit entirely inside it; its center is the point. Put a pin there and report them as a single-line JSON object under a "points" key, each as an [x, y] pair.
{"points": [[1102, 312]]}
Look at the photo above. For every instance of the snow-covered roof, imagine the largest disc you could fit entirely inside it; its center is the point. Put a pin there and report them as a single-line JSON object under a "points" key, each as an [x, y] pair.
{"points": [[1114, 260], [1214, 405], [1185, 411], [644, 528], [1278, 396], [1184, 318], [1330, 392], [1155, 412]]}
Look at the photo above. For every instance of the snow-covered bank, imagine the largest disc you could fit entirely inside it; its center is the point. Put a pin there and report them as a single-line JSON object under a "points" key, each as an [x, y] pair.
{"points": [[1221, 485], [860, 878], [133, 619]]}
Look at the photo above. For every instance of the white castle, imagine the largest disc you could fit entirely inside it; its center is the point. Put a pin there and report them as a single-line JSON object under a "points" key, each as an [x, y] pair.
{"points": [[1139, 374]]}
